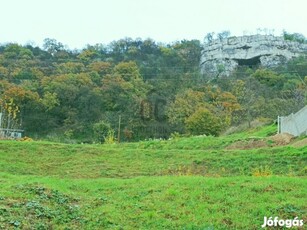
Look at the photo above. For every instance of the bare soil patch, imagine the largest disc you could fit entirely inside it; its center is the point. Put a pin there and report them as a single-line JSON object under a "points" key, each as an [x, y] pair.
{"points": [[300, 143], [281, 139], [276, 140]]}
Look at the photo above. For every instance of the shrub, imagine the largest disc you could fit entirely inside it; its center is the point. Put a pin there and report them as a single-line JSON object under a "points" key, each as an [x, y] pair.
{"points": [[103, 131], [204, 121], [109, 139]]}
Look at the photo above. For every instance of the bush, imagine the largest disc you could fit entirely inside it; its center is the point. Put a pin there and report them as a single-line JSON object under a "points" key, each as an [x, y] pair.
{"points": [[109, 139], [204, 121], [103, 131]]}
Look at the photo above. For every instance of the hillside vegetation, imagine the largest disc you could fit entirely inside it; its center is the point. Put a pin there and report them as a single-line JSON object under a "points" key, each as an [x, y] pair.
{"points": [[183, 183], [153, 89]]}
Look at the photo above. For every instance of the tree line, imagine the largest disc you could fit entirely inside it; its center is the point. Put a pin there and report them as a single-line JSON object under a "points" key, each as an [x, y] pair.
{"points": [[156, 89]]}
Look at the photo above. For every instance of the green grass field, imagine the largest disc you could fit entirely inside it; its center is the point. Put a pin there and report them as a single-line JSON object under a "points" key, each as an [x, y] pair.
{"points": [[184, 183]]}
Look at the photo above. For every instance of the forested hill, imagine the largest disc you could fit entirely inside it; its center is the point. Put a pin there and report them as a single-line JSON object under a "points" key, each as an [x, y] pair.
{"points": [[155, 89]]}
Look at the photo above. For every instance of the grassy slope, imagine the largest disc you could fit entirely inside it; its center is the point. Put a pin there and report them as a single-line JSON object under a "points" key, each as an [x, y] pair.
{"points": [[191, 183]]}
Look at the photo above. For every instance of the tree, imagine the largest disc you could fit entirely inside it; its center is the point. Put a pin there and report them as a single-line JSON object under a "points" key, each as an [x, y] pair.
{"points": [[184, 105], [52, 46], [123, 92], [223, 35], [101, 130], [49, 101], [87, 55], [269, 78], [26, 101], [203, 121], [15, 51], [9, 112], [129, 71], [296, 37], [101, 67], [209, 37], [70, 67]]}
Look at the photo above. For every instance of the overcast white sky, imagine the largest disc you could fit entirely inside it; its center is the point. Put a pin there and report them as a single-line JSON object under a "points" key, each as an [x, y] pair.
{"points": [[80, 22]]}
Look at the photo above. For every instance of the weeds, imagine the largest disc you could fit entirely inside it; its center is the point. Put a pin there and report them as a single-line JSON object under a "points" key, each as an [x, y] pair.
{"points": [[109, 138], [184, 183], [262, 171], [44, 206], [186, 170]]}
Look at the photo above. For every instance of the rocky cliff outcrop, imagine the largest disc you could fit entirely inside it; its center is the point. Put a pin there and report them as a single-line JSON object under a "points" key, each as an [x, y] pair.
{"points": [[224, 56]]}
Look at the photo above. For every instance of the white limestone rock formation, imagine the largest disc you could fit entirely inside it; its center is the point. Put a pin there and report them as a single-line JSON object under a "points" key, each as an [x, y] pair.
{"points": [[224, 56]]}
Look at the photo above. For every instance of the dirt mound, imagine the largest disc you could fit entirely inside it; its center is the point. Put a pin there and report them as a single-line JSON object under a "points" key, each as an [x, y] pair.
{"points": [[300, 143], [276, 140], [248, 144], [281, 139]]}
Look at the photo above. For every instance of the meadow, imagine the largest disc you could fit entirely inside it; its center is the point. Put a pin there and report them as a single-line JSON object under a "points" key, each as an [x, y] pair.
{"points": [[196, 182]]}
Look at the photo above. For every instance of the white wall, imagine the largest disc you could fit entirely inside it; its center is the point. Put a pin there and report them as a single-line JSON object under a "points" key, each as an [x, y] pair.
{"points": [[295, 124]]}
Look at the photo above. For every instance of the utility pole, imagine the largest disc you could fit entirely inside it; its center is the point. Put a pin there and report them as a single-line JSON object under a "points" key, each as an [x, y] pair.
{"points": [[118, 133]]}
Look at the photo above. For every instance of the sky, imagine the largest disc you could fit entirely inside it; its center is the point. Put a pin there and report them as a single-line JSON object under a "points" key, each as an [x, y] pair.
{"points": [[77, 23]]}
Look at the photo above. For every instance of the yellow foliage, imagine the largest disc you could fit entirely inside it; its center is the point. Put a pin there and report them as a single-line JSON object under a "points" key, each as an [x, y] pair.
{"points": [[27, 139], [9, 106], [262, 171], [110, 138]]}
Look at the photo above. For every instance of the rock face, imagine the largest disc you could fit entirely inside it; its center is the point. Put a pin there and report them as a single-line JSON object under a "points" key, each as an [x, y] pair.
{"points": [[224, 56]]}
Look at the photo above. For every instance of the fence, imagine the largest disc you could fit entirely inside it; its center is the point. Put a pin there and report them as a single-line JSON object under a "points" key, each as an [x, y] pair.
{"points": [[295, 124], [11, 133], [6, 132]]}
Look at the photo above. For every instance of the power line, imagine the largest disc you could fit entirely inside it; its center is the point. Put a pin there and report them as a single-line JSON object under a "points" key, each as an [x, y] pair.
{"points": [[158, 77]]}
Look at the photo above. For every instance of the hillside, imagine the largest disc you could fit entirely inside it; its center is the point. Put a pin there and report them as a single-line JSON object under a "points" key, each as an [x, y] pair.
{"points": [[153, 90], [201, 182]]}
